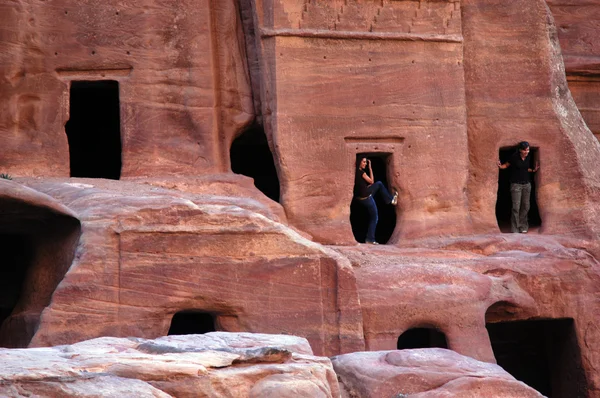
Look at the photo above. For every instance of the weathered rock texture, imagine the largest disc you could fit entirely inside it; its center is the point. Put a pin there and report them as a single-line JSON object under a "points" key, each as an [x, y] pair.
{"points": [[424, 373], [435, 88], [183, 83], [510, 98], [212, 365], [578, 32], [146, 253]]}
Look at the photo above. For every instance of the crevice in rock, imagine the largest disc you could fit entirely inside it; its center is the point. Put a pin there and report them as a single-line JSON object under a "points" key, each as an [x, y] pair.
{"points": [[251, 156]]}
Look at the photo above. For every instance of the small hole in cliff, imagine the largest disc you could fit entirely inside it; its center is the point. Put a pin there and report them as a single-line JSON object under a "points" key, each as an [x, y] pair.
{"points": [[93, 52], [324, 57], [369, 59], [66, 12], [55, 53], [128, 52], [192, 322], [422, 338], [413, 61], [117, 13]]}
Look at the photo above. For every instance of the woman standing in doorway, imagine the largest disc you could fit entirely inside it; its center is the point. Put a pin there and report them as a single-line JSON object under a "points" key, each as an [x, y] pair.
{"points": [[365, 188]]}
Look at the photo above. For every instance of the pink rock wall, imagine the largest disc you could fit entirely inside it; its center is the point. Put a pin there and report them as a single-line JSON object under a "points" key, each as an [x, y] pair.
{"points": [[516, 90], [339, 81], [183, 81], [147, 253], [578, 30]]}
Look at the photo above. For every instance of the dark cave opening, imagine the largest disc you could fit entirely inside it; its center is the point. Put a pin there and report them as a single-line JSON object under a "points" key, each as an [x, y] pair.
{"points": [[503, 199], [94, 129], [544, 354], [192, 322], [18, 258], [422, 338], [359, 218], [251, 156]]}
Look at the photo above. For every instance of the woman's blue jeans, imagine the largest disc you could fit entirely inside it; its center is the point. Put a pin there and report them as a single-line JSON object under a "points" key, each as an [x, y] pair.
{"points": [[371, 207]]}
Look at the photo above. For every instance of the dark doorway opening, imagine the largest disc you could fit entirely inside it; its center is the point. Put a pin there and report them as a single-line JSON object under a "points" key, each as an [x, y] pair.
{"points": [[192, 322], [251, 156], [359, 218], [543, 354], [17, 259], [422, 338], [503, 199], [94, 129]]}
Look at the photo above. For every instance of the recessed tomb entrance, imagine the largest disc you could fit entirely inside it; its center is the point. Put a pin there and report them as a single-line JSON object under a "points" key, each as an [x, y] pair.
{"points": [[543, 354], [94, 129]]}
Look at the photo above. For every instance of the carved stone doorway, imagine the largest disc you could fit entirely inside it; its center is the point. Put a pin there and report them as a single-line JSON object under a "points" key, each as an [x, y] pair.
{"points": [[94, 129]]}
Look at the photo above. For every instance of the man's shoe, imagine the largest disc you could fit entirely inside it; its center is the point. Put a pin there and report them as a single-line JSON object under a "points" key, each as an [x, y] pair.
{"points": [[371, 243], [394, 201], [524, 231]]}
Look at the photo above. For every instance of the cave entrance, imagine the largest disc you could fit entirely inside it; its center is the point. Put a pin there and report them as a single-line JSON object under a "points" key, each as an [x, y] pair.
{"points": [[192, 322], [422, 338], [543, 354], [359, 218], [17, 260], [94, 129], [251, 156], [503, 199]]}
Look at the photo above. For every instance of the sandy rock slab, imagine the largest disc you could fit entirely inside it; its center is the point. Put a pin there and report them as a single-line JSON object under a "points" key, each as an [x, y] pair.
{"points": [[212, 365], [424, 373]]}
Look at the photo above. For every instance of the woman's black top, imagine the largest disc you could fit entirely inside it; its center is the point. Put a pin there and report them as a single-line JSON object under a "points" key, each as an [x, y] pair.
{"points": [[361, 186]]}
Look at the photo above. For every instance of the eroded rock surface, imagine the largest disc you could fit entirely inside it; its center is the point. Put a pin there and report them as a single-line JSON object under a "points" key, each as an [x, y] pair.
{"points": [[147, 253], [211, 365], [424, 373]]}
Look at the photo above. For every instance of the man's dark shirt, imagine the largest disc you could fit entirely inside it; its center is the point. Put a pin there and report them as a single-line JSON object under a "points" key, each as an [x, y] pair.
{"points": [[361, 186], [518, 169]]}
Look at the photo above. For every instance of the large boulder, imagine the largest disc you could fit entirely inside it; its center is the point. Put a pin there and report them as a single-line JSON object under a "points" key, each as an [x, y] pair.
{"points": [[424, 373], [211, 365]]}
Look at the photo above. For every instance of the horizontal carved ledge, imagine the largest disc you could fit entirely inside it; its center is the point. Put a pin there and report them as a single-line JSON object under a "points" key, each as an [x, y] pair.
{"points": [[374, 140], [353, 35], [94, 73]]}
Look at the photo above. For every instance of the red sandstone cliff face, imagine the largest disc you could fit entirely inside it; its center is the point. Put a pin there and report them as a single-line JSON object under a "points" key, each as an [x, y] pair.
{"points": [[181, 68], [578, 29], [433, 88]]}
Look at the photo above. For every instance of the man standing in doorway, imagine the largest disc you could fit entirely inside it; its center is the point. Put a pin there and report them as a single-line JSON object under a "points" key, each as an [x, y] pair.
{"points": [[520, 186]]}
